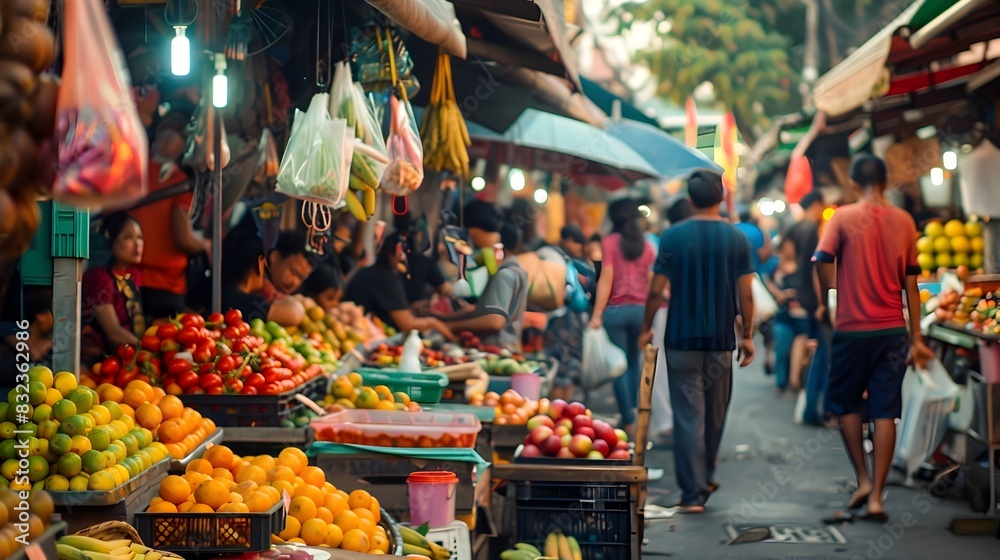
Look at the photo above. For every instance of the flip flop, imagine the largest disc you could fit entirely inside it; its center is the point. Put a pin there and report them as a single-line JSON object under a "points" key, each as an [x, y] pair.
{"points": [[858, 502], [880, 517], [840, 517]]}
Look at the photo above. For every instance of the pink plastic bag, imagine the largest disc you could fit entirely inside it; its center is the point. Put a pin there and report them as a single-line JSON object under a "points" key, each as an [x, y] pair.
{"points": [[102, 150], [405, 171]]}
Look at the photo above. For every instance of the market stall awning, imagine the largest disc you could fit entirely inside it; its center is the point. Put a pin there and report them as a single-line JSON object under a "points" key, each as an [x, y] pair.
{"points": [[432, 20], [605, 101], [669, 156], [521, 33], [596, 151]]}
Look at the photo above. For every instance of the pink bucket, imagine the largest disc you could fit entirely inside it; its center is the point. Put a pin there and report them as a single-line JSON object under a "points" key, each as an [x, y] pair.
{"points": [[432, 498], [528, 385]]}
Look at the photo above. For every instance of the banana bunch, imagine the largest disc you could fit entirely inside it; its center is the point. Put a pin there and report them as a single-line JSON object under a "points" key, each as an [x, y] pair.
{"points": [[360, 195], [415, 543], [521, 551], [445, 136], [558, 545], [79, 547]]}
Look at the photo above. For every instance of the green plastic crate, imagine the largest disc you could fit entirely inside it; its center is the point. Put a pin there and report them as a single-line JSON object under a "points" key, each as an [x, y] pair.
{"points": [[36, 263], [70, 232], [424, 388]]}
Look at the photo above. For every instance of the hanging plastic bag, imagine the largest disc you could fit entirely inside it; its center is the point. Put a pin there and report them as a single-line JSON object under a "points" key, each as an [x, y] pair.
{"points": [[316, 164], [764, 306], [102, 145], [928, 398], [405, 171], [602, 360]]}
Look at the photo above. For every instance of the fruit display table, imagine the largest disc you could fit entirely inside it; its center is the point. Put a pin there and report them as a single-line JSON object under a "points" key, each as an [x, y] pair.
{"points": [[83, 509]]}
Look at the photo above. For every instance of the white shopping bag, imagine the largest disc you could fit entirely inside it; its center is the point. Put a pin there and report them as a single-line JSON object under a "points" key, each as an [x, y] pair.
{"points": [[602, 360], [928, 398]]}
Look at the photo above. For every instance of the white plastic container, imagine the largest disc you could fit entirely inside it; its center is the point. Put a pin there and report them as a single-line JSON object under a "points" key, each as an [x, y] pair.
{"points": [[409, 362]]}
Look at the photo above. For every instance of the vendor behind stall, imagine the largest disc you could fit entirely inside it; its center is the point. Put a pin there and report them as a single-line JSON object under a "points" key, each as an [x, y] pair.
{"points": [[111, 310], [325, 285], [288, 265], [34, 305], [243, 275], [379, 290], [499, 312]]}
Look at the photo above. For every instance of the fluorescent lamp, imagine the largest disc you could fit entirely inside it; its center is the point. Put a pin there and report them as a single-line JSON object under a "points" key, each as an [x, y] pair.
{"points": [[220, 83], [180, 53], [516, 179], [950, 160], [937, 176]]}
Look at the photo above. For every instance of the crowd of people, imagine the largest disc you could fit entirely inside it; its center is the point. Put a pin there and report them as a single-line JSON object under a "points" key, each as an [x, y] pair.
{"points": [[691, 292]]}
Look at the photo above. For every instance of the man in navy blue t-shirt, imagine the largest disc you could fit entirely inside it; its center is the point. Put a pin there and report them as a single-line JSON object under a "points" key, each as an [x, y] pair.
{"points": [[706, 263]]}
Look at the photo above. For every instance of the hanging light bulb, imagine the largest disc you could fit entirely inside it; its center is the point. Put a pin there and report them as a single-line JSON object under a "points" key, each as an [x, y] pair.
{"points": [[541, 195], [937, 176], [516, 179], [180, 53], [220, 83], [950, 160], [478, 184], [180, 14]]}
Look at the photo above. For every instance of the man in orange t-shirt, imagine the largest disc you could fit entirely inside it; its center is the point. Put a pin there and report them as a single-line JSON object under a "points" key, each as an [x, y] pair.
{"points": [[166, 227]]}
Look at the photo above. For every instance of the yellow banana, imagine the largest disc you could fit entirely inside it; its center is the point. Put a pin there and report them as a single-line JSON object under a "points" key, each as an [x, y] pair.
{"points": [[552, 545], [368, 201], [574, 547], [90, 544], [354, 205], [564, 552]]}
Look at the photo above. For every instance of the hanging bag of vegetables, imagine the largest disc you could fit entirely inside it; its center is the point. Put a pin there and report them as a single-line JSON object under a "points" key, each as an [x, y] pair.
{"points": [[405, 171], [102, 148]]}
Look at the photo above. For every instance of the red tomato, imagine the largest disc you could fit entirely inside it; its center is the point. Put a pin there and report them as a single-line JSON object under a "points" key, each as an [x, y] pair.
{"points": [[169, 345], [233, 385], [213, 391], [167, 357], [297, 380], [150, 343], [110, 367], [126, 375], [126, 352], [189, 336], [234, 317], [187, 380], [287, 385], [207, 367], [178, 366], [231, 333], [142, 377], [216, 318], [270, 389], [225, 365], [254, 380], [205, 353], [210, 380], [244, 329], [248, 390], [192, 320], [167, 331]]}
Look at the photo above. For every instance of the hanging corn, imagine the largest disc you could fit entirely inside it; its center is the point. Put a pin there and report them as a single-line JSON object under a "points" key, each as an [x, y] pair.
{"points": [[445, 136]]}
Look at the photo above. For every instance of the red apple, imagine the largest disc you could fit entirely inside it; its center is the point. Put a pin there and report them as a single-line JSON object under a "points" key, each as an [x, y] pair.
{"points": [[565, 422], [556, 408], [574, 409], [581, 445], [581, 421], [540, 434], [566, 440], [602, 446], [531, 451], [562, 430], [552, 446], [540, 420], [565, 453], [585, 431], [595, 455], [621, 434], [620, 455], [623, 445], [604, 431]]}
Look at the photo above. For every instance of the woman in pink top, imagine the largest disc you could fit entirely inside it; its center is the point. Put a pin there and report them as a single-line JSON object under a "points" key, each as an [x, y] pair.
{"points": [[621, 297]]}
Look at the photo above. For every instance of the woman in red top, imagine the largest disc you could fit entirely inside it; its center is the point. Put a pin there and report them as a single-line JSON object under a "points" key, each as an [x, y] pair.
{"points": [[621, 296], [111, 311]]}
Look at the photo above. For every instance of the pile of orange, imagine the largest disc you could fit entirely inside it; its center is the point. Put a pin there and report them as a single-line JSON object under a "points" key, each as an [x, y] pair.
{"points": [[319, 514], [40, 509], [182, 429]]}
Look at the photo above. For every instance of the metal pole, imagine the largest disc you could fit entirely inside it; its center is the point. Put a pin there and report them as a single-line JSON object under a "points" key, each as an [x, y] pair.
{"points": [[217, 215], [991, 246]]}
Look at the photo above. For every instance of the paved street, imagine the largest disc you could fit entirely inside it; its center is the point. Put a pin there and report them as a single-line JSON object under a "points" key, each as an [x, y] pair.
{"points": [[774, 472]]}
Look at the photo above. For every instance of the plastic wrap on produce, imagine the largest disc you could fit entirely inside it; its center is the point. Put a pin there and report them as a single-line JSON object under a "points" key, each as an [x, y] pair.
{"points": [[102, 145]]}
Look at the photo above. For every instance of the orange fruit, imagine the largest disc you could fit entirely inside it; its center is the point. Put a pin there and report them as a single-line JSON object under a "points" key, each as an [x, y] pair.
{"points": [[200, 466], [185, 507], [359, 499], [109, 392], [302, 508], [347, 520], [367, 526], [158, 395], [294, 459], [380, 542], [258, 501], [315, 495], [292, 528], [324, 514], [281, 472], [251, 472], [281, 487], [385, 405], [235, 497], [222, 474], [376, 509], [355, 541], [314, 532], [313, 476], [272, 493], [200, 508], [170, 431], [212, 493], [135, 398], [162, 507], [171, 407], [363, 513], [265, 462], [148, 416], [334, 536], [329, 488], [220, 456], [336, 504], [175, 489]]}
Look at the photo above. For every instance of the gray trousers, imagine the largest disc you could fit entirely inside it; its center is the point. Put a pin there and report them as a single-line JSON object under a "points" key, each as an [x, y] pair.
{"points": [[700, 387]]}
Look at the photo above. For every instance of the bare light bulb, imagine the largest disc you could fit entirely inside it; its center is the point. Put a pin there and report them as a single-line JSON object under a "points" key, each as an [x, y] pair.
{"points": [[180, 53], [220, 83]]}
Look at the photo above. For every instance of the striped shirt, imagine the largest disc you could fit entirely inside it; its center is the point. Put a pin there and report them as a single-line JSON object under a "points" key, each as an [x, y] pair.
{"points": [[703, 260]]}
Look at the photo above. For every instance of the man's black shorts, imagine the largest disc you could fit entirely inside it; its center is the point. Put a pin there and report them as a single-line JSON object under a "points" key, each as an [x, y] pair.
{"points": [[875, 363]]}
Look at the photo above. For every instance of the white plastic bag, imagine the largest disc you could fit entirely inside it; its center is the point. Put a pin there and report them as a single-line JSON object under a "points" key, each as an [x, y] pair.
{"points": [[602, 360], [928, 398], [764, 306], [317, 162], [102, 144], [348, 102]]}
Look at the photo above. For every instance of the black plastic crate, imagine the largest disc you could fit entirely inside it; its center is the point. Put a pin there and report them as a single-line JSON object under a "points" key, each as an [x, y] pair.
{"points": [[210, 533], [598, 515], [232, 411]]}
